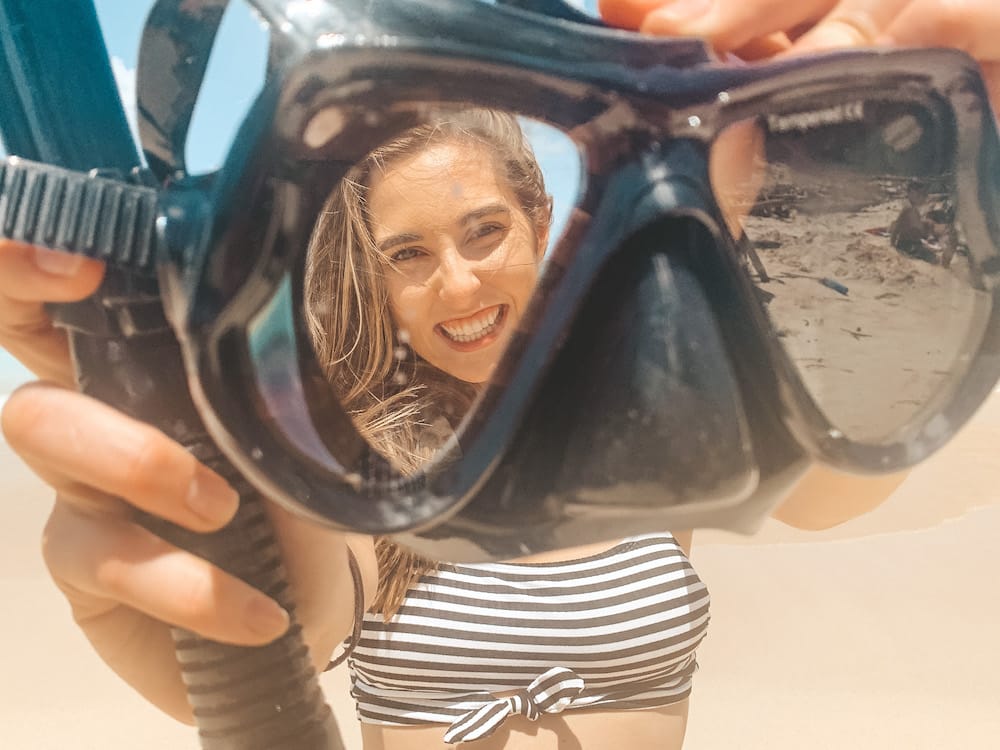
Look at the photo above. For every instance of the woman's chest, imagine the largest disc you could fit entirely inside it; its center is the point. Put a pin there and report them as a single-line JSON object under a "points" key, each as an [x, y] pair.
{"points": [[634, 612]]}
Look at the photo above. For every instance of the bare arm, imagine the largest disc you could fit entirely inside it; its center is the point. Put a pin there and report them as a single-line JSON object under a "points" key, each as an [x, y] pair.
{"points": [[826, 498]]}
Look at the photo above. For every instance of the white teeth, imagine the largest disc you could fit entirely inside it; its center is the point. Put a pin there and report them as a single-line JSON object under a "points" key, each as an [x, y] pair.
{"points": [[471, 330]]}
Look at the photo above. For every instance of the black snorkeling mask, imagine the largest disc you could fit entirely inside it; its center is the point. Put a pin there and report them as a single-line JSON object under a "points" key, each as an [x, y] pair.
{"points": [[723, 301]]}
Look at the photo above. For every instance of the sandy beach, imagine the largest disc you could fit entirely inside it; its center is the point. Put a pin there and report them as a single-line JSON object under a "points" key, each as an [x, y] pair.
{"points": [[850, 308], [878, 634]]}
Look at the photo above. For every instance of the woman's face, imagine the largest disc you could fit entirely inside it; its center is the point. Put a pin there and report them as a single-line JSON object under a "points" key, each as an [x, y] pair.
{"points": [[462, 255]]}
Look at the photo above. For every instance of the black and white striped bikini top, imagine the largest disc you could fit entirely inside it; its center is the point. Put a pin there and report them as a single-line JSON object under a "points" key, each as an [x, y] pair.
{"points": [[473, 644]]}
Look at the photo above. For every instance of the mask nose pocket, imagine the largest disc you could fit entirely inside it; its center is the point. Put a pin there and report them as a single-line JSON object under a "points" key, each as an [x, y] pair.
{"points": [[645, 376]]}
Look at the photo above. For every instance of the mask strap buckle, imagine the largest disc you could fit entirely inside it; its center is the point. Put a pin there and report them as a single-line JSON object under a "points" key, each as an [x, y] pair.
{"points": [[107, 218], [84, 214]]}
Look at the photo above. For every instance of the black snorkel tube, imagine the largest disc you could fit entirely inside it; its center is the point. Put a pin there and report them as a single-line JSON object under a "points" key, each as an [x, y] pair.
{"points": [[59, 105]]}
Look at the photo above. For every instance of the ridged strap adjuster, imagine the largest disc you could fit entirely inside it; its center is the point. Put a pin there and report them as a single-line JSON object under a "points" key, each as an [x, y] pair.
{"points": [[105, 219]]}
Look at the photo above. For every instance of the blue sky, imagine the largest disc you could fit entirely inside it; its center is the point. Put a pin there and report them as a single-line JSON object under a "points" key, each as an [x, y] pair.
{"points": [[234, 76]]}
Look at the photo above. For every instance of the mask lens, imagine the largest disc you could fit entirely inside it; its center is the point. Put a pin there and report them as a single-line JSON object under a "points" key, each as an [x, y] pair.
{"points": [[421, 268], [846, 217]]}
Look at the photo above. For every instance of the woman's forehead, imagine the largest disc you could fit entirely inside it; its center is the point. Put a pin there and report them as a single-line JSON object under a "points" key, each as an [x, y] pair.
{"points": [[438, 176], [442, 159]]}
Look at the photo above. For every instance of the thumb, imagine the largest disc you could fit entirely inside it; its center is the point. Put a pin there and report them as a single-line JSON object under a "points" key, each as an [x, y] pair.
{"points": [[972, 26], [727, 24]]}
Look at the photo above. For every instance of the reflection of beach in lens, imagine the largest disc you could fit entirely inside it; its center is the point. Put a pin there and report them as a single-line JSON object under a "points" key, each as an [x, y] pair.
{"points": [[875, 333], [852, 242]]}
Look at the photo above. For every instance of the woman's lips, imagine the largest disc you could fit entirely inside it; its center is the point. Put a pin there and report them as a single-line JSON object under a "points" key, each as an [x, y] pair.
{"points": [[474, 331]]}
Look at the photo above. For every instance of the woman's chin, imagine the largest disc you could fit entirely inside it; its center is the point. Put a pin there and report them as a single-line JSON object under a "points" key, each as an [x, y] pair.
{"points": [[474, 369], [471, 375]]}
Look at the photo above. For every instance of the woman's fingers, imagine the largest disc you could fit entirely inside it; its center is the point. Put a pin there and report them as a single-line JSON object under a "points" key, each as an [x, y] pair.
{"points": [[969, 25], [116, 455], [728, 24], [35, 274], [103, 462], [104, 563], [972, 26], [852, 23], [29, 277]]}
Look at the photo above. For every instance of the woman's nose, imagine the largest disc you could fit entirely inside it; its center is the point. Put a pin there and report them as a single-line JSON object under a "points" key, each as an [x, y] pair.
{"points": [[458, 279]]}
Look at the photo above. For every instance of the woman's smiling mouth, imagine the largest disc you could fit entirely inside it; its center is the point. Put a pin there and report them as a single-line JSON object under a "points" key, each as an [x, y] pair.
{"points": [[466, 334]]}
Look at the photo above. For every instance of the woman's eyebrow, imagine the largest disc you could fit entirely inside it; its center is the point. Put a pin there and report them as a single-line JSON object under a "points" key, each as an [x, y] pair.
{"points": [[479, 213], [398, 239]]}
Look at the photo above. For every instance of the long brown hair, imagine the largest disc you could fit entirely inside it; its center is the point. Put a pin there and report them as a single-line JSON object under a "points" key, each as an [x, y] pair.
{"points": [[397, 400]]}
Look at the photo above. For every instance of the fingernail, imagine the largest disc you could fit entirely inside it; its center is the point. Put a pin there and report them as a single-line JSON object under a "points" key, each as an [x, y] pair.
{"points": [[56, 262], [265, 618], [684, 10], [211, 498]]}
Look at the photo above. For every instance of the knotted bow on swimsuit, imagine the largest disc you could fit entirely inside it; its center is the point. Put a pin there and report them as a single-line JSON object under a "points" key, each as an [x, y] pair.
{"points": [[548, 694], [474, 644]]}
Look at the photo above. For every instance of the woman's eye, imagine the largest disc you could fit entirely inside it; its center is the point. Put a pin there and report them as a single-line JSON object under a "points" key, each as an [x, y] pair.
{"points": [[488, 230], [406, 254]]}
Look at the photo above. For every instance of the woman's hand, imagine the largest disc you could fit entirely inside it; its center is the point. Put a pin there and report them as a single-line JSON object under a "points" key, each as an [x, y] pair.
{"points": [[122, 582], [760, 27]]}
